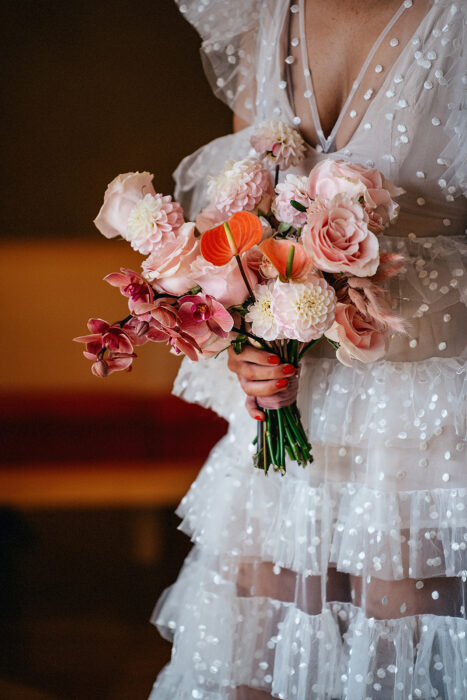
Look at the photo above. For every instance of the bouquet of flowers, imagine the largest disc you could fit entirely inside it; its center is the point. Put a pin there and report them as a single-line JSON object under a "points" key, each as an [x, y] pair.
{"points": [[281, 266]]}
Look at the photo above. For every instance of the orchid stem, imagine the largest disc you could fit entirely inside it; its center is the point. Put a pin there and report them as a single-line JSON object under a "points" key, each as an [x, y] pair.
{"points": [[245, 278], [125, 320]]}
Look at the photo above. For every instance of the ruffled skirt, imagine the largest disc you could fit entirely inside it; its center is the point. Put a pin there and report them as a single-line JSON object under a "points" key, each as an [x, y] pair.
{"points": [[345, 579]]}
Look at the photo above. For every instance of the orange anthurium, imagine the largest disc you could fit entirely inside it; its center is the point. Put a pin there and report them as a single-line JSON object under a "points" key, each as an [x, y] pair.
{"points": [[289, 264], [235, 236]]}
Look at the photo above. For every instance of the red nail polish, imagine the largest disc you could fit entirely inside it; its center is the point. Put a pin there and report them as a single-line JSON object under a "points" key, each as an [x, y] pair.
{"points": [[288, 369], [281, 383], [259, 418], [273, 360]]}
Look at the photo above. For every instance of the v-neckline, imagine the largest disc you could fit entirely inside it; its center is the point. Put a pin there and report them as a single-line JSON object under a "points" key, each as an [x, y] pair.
{"points": [[327, 142]]}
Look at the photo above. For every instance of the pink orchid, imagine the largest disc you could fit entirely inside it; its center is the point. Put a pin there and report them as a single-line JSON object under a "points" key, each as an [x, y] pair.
{"points": [[110, 348], [107, 337], [133, 286], [179, 341], [201, 313], [113, 362]]}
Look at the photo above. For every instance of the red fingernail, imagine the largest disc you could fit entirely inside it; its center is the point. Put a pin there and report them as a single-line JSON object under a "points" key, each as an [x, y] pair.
{"points": [[259, 418], [273, 360], [281, 383], [288, 369]]}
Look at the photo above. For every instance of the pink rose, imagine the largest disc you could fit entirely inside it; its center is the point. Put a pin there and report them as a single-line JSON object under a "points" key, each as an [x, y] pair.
{"points": [[169, 267], [359, 337], [121, 195], [339, 240], [224, 283], [208, 218], [331, 177], [215, 344]]}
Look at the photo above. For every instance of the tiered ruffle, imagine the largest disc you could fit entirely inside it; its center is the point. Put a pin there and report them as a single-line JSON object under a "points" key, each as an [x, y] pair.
{"points": [[222, 641]]}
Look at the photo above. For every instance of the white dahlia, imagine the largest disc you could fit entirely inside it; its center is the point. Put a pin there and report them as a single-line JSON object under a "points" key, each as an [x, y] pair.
{"points": [[153, 218], [304, 310], [260, 315], [278, 143], [242, 186]]}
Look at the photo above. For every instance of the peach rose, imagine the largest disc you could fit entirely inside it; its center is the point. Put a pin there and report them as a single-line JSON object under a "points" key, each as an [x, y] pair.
{"points": [[121, 195], [331, 177], [169, 268], [224, 283], [359, 337], [339, 240]]}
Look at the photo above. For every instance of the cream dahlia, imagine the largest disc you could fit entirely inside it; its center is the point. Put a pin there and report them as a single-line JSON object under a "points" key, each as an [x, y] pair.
{"points": [[278, 143], [153, 218], [294, 187], [242, 186], [304, 310], [260, 315]]}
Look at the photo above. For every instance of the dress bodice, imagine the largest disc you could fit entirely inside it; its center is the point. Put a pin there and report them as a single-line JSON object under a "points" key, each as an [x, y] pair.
{"points": [[408, 113]]}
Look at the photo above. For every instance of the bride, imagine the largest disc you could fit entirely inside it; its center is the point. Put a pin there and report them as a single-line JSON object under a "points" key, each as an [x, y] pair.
{"points": [[346, 579]]}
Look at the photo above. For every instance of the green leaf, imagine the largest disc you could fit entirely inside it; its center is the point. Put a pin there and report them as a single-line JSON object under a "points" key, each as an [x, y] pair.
{"points": [[297, 205], [283, 227]]}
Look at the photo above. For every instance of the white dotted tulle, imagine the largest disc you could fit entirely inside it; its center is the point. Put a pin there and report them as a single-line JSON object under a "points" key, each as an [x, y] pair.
{"points": [[385, 500]]}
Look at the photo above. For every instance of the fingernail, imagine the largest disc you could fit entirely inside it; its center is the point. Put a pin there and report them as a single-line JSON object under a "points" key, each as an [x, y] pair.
{"points": [[259, 418], [281, 383], [288, 369], [273, 360]]}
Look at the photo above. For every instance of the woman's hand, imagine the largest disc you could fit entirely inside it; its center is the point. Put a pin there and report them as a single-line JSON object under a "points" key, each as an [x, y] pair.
{"points": [[260, 374]]}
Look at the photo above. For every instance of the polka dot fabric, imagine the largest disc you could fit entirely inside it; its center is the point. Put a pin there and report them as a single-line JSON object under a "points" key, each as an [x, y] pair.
{"points": [[346, 579]]}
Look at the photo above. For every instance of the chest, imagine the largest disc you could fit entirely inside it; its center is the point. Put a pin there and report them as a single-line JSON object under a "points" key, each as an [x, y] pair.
{"points": [[347, 50]]}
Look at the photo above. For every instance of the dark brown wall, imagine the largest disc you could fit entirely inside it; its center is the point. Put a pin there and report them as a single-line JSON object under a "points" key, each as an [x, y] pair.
{"points": [[93, 88]]}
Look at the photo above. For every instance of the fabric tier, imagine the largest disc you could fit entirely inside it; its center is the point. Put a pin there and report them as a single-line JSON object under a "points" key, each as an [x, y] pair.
{"points": [[222, 641]]}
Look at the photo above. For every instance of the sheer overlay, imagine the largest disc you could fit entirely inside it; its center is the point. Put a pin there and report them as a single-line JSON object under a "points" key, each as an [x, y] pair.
{"points": [[346, 579]]}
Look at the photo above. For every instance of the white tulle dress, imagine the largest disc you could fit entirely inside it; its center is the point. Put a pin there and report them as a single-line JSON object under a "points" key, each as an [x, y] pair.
{"points": [[346, 579]]}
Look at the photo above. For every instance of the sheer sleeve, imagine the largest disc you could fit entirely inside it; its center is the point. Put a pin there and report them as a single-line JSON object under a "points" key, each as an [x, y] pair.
{"points": [[454, 155], [229, 32]]}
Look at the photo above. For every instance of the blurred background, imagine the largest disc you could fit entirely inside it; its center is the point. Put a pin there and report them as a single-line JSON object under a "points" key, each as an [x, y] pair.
{"points": [[89, 473]]}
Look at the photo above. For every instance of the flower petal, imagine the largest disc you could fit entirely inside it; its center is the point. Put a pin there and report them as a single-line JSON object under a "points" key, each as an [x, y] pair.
{"points": [[116, 279], [277, 253], [246, 231]]}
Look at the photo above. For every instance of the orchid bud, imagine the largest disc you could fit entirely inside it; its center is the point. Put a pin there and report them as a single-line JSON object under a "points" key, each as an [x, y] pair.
{"points": [[100, 368], [141, 328]]}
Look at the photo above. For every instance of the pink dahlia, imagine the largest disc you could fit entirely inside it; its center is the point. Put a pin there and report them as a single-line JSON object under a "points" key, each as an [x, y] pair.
{"points": [[279, 144], [151, 221], [244, 185], [294, 187], [303, 310]]}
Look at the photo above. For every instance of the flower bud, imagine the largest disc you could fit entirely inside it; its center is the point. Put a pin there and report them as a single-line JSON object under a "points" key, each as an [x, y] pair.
{"points": [[100, 368], [141, 328]]}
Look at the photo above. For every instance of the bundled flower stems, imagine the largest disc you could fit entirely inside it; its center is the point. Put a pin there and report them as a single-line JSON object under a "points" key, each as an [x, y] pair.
{"points": [[279, 265]]}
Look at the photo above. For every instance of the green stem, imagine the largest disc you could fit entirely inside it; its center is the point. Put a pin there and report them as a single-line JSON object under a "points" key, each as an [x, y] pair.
{"points": [[308, 346], [245, 278], [125, 320], [281, 439], [250, 335]]}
